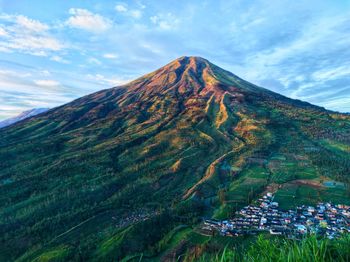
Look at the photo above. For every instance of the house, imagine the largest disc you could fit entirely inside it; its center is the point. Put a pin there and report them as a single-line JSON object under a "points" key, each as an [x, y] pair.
{"points": [[263, 220], [301, 228], [275, 231], [311, 209], [212, 222], [274, 204], [264, 205]]}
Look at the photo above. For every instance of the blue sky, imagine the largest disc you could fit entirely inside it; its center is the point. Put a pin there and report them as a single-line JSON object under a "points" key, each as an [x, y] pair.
{"points": [[52, 52]]}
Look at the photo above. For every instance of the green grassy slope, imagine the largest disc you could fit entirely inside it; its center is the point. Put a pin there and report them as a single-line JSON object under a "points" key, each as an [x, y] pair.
{"points": [[112, 174], [266, 248]]}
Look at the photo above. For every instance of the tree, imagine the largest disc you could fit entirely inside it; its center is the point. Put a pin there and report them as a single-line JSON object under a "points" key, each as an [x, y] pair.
{"points": [[221, 196]]}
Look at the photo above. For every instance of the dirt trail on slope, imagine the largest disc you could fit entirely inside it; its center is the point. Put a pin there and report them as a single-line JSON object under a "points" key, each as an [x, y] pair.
{"points": [[208, 174]]}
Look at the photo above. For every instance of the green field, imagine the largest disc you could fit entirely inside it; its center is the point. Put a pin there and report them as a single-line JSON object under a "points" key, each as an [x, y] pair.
{"points": [[295, 195]]}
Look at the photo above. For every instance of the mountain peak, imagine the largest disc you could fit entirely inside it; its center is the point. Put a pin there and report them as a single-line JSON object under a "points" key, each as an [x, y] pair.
{"points": [[185, 63], [193, 59], [193, 62], [191, 75]]}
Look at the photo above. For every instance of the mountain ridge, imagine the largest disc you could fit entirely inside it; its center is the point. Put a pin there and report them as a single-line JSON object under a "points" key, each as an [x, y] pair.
{"points": [[184, 66], [22, 116]]}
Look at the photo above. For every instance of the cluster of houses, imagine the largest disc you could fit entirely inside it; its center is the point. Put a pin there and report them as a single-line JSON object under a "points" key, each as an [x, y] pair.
{"points": [[134, 217], [324, 219]]}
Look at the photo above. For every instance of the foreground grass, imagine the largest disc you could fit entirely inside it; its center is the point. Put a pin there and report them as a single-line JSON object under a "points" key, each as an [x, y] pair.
{"points": [[309, 249]]}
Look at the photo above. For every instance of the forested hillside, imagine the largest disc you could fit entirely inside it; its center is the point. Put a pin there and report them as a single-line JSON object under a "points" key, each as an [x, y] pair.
{"points": [[132, 169]]}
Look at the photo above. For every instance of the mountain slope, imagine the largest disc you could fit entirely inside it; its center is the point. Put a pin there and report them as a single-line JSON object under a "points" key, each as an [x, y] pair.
{"points": [[22, 116], [186, 141]]}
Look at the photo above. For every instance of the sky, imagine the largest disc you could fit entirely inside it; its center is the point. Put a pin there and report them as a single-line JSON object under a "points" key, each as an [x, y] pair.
{"points": [[52, 52]]}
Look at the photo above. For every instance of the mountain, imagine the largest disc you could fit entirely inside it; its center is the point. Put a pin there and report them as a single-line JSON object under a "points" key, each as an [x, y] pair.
{"points": [[131, 170], [21, 116]]}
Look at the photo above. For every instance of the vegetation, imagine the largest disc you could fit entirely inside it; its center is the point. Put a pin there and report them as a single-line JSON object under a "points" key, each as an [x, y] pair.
{"points": [[309, 249], [115, 173]]}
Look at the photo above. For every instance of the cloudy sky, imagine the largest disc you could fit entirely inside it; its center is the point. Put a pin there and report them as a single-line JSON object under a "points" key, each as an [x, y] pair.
{"points": [[52, 52]]}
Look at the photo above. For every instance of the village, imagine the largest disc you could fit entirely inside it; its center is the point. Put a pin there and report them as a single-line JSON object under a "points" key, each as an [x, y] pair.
{"points": [[264, 215]]}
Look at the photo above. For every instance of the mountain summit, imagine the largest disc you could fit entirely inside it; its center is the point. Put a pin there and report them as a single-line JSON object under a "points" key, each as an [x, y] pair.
{"points": [[113, 173], [190, 76]]}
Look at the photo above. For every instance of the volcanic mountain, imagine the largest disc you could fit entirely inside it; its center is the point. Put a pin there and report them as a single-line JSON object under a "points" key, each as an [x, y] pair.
{"points": [[113, 173], [22, 116]]}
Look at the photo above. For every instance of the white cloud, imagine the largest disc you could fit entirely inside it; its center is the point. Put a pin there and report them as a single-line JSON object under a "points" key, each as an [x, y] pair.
{"points": [[23, 88], [165, 21], [3, 32], [331, 73], [47, 83], [110, 81], [154, 19], [136, 13], [141, 5], [110, 56], [27, 36], [305, 66], [11, 73], [88, 21], [19, 93], [341, 103], [121, 8], [93, 60], [45, 72], [31, 24], [59, 59], [35, 43]]}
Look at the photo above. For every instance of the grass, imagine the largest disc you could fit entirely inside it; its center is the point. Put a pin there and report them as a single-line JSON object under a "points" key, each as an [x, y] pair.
{"points": [[250, 182], [292, 195], [57, 254], [257, 172], [110, 245], [54, 255], [288, 170], [336, 145], [173, 238], [310, 249]]}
